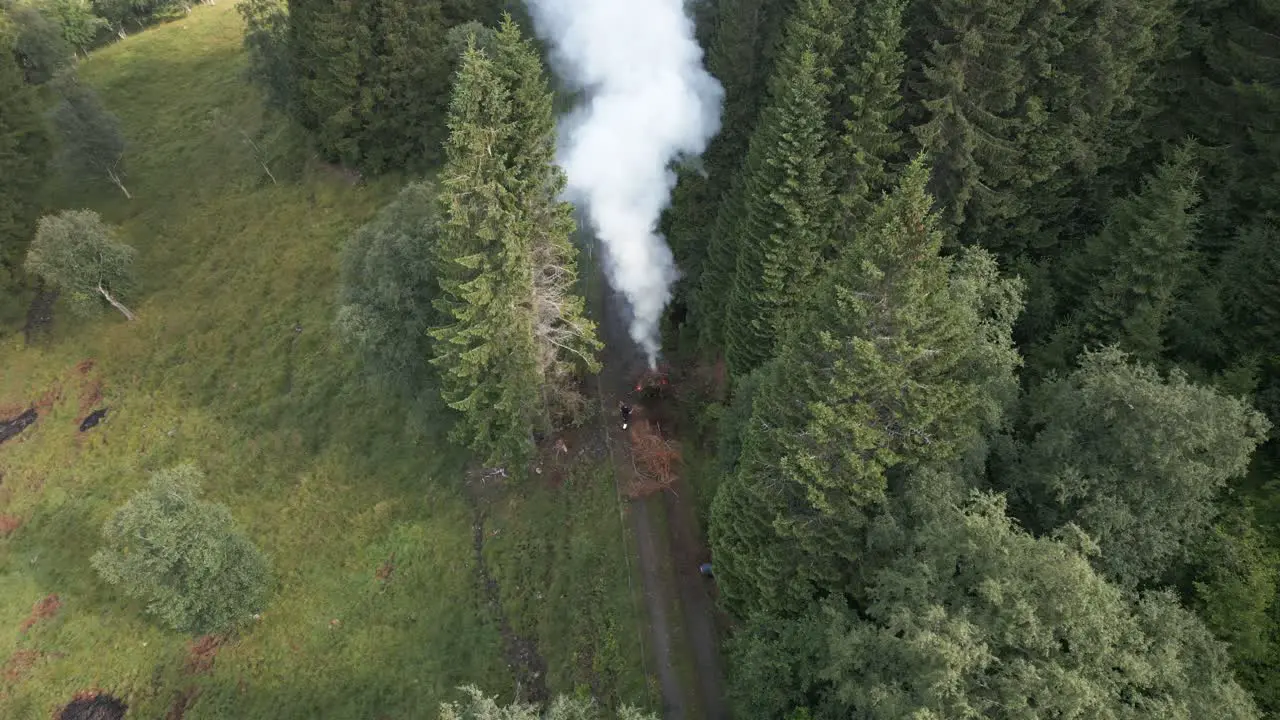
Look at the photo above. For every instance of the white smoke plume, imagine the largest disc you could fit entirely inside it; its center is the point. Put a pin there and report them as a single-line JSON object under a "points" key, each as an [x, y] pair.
{"points": [[647, 101]]}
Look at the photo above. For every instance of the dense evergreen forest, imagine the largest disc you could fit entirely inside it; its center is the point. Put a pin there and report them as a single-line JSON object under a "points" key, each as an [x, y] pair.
{"points": [[995, 285], [1000, 280]]}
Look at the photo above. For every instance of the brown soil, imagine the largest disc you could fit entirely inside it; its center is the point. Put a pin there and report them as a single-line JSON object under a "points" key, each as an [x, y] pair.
{"points": [[201, 653], [90, 397], [9, 524], [18, 665], [568, 448], [387, 569], [49, 398], [44, 609]]}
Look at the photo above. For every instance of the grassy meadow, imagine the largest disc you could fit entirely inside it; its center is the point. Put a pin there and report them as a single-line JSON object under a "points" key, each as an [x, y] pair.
{"points": [[233, 365]]}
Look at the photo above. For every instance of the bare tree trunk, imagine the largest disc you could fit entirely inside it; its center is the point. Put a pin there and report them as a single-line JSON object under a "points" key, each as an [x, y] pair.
{"points": [[117, 304], [116, 179], [259, 156]]}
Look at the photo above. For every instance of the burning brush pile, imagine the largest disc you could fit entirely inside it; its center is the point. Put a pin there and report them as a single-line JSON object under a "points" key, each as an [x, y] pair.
{"points": [[655, 457]]}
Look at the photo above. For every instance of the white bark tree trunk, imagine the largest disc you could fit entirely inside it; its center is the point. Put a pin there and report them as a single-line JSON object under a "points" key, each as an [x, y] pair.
{"points": [[115, 178], [117, 304]]}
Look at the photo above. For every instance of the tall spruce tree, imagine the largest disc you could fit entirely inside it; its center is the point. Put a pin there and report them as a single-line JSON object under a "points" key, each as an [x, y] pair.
{"points": [[966, 83], [372, 78], [900, 359], [785, 227], [330, 40], [740, 55], [870, 142], [1129, 273], [24, 156], [485, 351], [1231, 100], [566, 338], [407, 86], [1021, 103], [1250, 282], [515, 329]]}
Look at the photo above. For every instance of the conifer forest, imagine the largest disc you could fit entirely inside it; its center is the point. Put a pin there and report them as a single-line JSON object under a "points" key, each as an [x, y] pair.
{"points": [[638, 359]]}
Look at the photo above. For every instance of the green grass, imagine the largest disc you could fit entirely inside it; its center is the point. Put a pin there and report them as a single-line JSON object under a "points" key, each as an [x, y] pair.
{"points": [[319, 468]]}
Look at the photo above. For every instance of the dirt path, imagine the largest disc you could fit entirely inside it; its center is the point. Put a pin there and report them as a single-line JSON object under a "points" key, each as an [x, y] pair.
{"points": [[655, 603], [695, 599], [681, 615]]}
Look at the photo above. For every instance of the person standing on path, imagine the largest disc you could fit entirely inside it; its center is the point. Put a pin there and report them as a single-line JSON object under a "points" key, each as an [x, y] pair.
{"points": [[625, 410]]}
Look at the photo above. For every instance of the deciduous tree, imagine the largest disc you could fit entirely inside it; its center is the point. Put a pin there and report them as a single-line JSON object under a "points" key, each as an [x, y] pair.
{"points": [[24, 155], [388, 289], [266, 41], [78, 253], [1133, 458], [974, 618], [80, 25], [41, 49], [89, 136], [183, 555]]}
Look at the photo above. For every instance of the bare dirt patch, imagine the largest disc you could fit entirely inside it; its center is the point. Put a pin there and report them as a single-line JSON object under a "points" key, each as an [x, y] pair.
{"points": [[44, 609], [9, 524], [18, 665], [90, 395], [50, 398], [386, 570], [202, 652]]}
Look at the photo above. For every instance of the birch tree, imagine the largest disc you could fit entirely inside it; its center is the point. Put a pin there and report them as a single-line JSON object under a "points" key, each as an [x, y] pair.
{"points": [[77, 252], [90, 137]]}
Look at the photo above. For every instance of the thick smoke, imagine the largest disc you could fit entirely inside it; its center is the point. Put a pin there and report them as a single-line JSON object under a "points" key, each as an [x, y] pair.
{"points": [[647, 101]]}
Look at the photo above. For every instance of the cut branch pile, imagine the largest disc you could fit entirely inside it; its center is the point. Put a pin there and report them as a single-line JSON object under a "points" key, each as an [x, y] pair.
{"points": [[656, 460]]}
